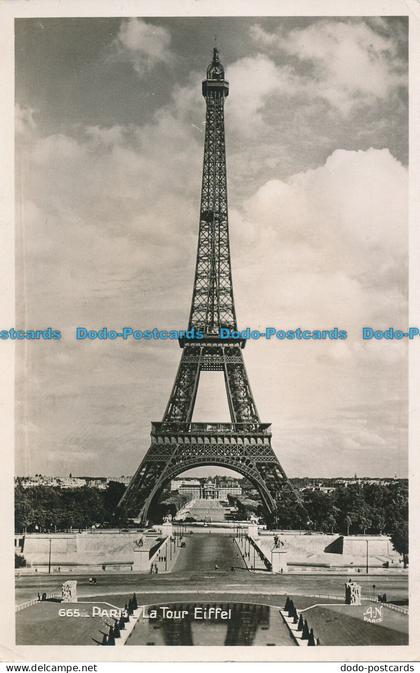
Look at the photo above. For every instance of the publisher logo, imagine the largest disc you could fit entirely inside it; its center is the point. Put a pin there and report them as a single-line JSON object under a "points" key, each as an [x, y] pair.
{"points": [[373, 614]]}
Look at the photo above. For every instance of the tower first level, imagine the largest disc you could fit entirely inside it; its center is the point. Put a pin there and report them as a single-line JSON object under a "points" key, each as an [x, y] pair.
{"points": [[229, 445]]}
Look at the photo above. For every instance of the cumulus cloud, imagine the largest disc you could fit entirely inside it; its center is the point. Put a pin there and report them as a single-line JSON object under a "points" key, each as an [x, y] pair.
{"points": [[110, 229], [348, 64], [24, 120], [143, 44], [113, 188], [328, 247], [256, 79], [339, 233], [108, 233]]}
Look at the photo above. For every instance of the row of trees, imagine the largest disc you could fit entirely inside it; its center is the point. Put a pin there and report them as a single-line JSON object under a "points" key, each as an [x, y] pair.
{"points": [[169, 503], [356, 509], [50, 508]]}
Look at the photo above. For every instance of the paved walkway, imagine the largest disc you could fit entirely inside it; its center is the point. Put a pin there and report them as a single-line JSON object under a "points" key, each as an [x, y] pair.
{"points": [[207, 510], [204, 553]]}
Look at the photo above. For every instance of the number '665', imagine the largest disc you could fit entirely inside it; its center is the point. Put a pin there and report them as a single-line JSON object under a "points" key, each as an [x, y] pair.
{"points": [[69, 612]]}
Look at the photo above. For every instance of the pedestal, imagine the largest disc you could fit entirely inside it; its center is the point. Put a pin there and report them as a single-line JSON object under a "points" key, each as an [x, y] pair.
{"points": [[69, 591], [141, 561], [167, 529], [278, 560], [353, 594], [253, 530]]}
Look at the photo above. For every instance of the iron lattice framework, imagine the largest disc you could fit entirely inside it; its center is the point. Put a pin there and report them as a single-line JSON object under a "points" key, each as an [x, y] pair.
{"points": [[178, 444]]}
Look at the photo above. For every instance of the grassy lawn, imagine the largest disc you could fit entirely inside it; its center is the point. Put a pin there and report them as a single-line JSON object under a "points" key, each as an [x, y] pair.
{"points": [[333, 624], [345, 625], [41, 624]]}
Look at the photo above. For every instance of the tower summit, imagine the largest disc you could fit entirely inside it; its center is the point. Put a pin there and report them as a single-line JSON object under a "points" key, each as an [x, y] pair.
{"points": [[215, 85], [212, 305], [177, 443]]}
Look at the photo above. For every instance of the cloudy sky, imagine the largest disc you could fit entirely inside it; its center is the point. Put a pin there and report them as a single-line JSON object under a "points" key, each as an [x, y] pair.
{"points": [[109, 121]]}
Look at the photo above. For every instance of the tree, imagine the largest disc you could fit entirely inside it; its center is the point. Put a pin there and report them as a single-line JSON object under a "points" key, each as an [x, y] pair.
{"points": [[399, 539], [364, 523], [289, 513], [330, 523], [348, 522], [379, 521], [20, 561], [318, 505], [113, 495]]}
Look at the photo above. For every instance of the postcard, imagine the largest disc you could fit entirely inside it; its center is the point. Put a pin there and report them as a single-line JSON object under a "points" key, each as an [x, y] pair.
{"points": [[210, 331]]}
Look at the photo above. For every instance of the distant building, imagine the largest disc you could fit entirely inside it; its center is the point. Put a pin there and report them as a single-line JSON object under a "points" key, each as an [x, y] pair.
{"points": [[121, 480], [37, 480], [209, 489], [100, 483], [72, 482], [318, 487], [230, 488], [191, 487]]}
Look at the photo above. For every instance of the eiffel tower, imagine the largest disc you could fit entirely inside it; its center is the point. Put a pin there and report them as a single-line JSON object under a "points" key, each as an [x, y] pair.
{"points": [[178, 444]]}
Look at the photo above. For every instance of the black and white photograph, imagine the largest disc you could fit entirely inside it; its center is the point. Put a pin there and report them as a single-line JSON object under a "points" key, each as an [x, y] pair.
{"points": [[212, 334]]}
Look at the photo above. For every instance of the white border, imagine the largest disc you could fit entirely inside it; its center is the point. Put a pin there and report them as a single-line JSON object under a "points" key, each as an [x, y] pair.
{"points": [[103, 8]]}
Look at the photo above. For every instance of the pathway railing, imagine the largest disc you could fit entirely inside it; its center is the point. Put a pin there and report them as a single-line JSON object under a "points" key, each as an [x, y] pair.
{"points": [[34, 601], [403, 609]]}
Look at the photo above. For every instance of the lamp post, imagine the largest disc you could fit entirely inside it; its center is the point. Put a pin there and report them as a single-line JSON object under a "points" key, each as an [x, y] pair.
{"points": [[367, 557], [49, 557]]}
